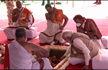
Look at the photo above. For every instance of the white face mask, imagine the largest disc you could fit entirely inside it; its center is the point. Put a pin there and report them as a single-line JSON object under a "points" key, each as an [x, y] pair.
{"points": [[26, 39], [78, 24]]}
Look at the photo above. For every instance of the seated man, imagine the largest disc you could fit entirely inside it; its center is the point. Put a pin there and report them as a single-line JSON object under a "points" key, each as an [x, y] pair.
{"points": [[97, 2], [89, 27], [52, 34], [20, 53], [82, 49], [22, 17]]}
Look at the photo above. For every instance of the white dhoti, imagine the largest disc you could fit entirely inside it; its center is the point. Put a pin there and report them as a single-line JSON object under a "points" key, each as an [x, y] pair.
{"points": [[10, 32], [47, 64], [105, 41], [50, 33], [19, 58], [74, 61], [31, 32]]}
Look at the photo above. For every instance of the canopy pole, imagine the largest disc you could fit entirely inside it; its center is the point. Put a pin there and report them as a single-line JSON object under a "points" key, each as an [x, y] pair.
{"points": [[54, 3], [72, 3]]}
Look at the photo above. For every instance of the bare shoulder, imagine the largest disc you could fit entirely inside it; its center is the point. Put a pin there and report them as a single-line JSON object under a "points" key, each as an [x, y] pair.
{"points": [[64, 16], [33, 47], [47, 16], [31, 44]]}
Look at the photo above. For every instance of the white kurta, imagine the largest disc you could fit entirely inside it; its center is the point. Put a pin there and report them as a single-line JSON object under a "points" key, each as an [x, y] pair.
{"points": [[21, 59]]}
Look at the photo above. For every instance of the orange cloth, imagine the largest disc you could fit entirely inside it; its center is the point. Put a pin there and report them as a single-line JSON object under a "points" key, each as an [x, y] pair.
{"points": [[58, 16], [25, 14]]}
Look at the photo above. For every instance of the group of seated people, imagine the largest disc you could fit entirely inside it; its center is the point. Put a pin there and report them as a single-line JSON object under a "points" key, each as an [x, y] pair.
{"points": [[84, 44]]}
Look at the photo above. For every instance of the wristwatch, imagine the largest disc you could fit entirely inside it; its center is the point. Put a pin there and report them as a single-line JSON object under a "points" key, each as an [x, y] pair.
{"points": [[85, 32]]}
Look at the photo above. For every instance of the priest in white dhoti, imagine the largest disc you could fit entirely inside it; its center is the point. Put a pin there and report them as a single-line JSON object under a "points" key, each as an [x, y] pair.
{"points": [[52, 34], [21, 51], [82, 48], [22, 17]]}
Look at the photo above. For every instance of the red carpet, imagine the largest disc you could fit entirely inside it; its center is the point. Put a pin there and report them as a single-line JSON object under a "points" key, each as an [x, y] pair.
{"points": [[1, 64], [73, 67], [102, 25]]}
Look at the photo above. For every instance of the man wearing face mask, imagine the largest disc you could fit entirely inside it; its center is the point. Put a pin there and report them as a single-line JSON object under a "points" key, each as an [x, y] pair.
{"points": [[81, 50], [52, 34], [22, 17], [89, 27]]}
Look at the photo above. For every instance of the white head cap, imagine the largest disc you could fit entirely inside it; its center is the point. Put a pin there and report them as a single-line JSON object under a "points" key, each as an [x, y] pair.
{"points": [[67, 33]]}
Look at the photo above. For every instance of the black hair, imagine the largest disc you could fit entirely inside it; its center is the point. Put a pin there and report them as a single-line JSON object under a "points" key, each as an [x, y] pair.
{"points": [[48, 5], [77, 17], [20, 32]]}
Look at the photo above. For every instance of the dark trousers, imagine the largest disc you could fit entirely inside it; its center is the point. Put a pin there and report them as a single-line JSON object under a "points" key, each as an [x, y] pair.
{"points": [[23, 1], [2, 0], [98, 0], [43, 2]]}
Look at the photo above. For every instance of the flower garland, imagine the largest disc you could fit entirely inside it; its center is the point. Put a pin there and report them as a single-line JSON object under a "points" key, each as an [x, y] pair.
{"points": [[10, 6]]}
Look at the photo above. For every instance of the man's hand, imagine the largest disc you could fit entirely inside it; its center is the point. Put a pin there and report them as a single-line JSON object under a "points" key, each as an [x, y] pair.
{"points": [[80, 29], [61, 27], [39, 55], [62, 58], [16, 12], [41, 62], [26, 20], [86, 67]]}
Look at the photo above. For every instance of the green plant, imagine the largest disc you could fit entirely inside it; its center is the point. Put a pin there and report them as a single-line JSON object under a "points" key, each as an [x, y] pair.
{"points": [[2, 60]]}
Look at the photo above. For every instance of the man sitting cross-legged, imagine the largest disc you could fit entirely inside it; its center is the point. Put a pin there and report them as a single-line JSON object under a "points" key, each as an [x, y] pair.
{"points": [[20, 53], [52, 34], [22, 17]]}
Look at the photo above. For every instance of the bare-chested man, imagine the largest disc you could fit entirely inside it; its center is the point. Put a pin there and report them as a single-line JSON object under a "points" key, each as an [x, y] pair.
{"points": [[20, 53], [22, 17], [52, 33]]}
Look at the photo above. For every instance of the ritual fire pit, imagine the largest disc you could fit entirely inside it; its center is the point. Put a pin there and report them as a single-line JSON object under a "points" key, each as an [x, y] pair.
{"points": [[56, 52]]}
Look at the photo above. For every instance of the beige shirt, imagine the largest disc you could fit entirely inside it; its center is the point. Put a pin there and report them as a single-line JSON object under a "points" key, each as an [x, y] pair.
{"points": [[80, 45]]}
